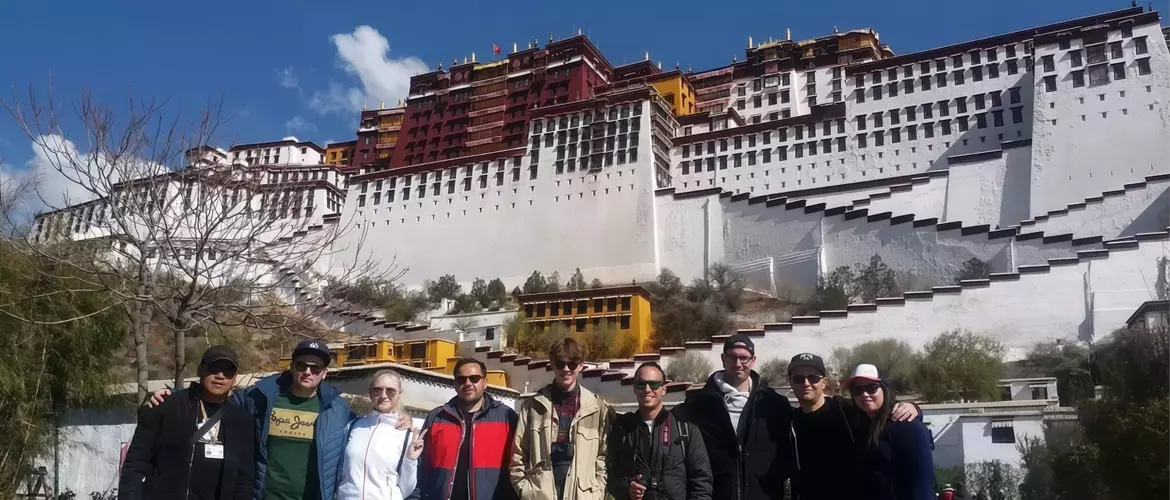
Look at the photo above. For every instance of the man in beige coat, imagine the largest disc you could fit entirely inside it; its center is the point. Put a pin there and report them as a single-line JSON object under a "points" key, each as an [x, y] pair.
{"points": [[559, 450]]}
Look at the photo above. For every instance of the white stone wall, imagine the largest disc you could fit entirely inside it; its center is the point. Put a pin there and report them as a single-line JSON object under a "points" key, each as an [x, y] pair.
{"points": [[1081, 299], [601, 221], [993, 190], [690, 234], [1138, 208], [1099, 137]]}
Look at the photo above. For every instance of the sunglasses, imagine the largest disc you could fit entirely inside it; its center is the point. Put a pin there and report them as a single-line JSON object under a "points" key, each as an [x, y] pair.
{"points": [[654, 385], [463, 379], [865, 389], [800, 379], [390, 392], [301, 366], [561, 365], [228, 370]]}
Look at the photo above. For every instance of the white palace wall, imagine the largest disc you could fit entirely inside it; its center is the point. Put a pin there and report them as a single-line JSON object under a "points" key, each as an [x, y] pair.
{"points": [[602, 221], [991, 188], [1095, 138], [1085, 298], [1139, 207]]}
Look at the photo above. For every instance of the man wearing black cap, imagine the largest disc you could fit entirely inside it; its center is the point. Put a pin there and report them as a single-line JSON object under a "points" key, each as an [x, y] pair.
{"points": [[826, 432], [745, 426], [197, 445]]}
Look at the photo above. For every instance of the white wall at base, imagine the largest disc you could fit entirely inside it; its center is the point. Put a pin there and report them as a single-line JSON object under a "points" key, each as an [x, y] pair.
{"points": [[992, 190], [91, 450], [690, 235], [1070, 300], [962, 432], [1114, 214], [790, 239]]}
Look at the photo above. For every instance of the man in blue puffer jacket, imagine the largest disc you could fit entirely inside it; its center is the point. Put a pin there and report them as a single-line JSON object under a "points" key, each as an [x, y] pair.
{"points": [[301, 428]]}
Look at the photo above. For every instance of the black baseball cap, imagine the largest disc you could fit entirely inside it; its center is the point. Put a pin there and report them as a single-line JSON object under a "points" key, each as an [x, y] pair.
{"points": [[740, 341], [314, 347], [219, 353], [809, 360]]}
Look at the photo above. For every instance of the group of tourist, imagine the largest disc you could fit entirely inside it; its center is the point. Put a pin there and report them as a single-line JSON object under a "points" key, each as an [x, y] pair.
{"points": [[290, 436]]}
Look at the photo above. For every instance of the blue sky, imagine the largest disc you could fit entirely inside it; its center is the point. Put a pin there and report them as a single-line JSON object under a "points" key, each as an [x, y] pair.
{"points": [[281, 67]]}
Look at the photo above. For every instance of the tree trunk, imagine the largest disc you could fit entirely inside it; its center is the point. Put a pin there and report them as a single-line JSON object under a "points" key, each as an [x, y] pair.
{"points": [[140, 326], [179, 331]]}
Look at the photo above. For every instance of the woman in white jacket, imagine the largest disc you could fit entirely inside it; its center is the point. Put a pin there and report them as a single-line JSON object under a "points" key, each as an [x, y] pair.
{"points": [[381, 462]]}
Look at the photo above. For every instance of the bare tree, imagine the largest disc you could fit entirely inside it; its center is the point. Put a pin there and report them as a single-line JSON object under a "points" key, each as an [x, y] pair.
{"points": [[465, 325], [184, 236]]}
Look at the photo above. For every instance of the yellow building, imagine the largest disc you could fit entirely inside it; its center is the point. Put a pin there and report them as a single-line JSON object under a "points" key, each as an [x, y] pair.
{"points": [[676, 89], [430, 354], [624, 308], [340, 153]]}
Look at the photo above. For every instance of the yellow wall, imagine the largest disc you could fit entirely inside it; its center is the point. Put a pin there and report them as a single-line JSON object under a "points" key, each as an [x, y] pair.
{"points": [[582, 320], [336, 156], [680, 92], [438, 352]]}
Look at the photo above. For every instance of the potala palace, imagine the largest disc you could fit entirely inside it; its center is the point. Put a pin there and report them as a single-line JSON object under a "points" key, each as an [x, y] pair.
{"points": [[1043, 152]]}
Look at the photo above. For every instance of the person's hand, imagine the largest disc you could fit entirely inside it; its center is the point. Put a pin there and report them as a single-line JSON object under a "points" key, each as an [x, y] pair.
{"points": [[904, 412], [636, 489], [404, 421], [157, 398], [416, 446]]}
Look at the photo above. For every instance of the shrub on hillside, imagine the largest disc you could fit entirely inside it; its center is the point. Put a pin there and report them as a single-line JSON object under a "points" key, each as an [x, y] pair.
{"points": [[775, 372], [973, 269], [960, 366], [689, 367]]}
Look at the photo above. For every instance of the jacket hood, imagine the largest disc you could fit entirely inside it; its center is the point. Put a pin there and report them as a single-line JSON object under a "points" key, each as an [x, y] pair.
{"points": [[712, 387], [274, 384]]}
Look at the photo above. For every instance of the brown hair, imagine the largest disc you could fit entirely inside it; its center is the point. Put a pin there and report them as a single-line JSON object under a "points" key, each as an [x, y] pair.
{"points": [[567, 349]]}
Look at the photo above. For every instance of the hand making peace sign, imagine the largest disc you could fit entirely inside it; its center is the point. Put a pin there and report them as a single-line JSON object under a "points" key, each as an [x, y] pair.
{"points": [[416, 446]]}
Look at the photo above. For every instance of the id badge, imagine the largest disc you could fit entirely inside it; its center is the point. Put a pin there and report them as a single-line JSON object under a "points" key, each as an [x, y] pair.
{"points": [[213, 451]]}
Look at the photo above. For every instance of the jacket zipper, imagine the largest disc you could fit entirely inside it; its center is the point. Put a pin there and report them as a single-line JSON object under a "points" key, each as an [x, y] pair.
{"points": [[462, 436], [366, 457]]}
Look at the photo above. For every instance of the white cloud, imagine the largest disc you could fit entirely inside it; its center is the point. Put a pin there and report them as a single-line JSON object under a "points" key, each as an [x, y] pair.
{"points": [[365, 53], [288, 79], [298, 124], [65, 176]]}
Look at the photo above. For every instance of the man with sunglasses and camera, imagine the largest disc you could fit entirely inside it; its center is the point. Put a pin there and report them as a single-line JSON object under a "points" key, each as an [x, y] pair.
{"points": [[826, 432], [560, 445], [468, 443], [197, 445], [653, 455], [745, 426]]}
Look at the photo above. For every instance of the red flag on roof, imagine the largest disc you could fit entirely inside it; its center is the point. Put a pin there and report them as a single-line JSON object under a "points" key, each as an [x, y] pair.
{"points": [[496, 49]]}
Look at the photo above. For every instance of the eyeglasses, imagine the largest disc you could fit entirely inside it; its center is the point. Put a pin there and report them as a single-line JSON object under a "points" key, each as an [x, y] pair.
{"points": [[390, 392], [560, 364], [301, 366], [654, 385], [463, 379], [865, 389], [800, 379], [743, 360]]}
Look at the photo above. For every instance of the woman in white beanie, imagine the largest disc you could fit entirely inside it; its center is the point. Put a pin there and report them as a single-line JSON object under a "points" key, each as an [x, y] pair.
{"points": [[895, 461]]}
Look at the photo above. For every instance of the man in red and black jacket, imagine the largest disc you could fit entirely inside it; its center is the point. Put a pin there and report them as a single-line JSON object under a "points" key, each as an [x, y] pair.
{"points": [[468, 443]]}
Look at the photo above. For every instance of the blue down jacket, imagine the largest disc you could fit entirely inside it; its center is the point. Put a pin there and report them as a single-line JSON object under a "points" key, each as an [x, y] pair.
{"points": [[329, 432]]}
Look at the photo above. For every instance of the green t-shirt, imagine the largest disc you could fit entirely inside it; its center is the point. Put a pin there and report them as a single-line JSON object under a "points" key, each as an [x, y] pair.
{"points": [[292, 459]]}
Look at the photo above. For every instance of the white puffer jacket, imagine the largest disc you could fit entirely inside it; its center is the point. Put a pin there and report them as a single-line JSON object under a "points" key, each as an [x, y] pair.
{"points": [[371, 470]]}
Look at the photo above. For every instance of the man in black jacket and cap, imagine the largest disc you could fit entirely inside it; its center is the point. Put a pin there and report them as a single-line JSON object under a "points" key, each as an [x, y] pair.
{"points": [[653, 454], [745, 426], [196, 445]]}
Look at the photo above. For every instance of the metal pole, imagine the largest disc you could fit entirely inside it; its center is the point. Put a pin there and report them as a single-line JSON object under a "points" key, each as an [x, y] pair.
{"points": [[56, 455]]}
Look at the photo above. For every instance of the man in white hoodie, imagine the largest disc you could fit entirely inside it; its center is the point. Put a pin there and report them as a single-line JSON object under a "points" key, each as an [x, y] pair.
{"points": [[381, 461], [745, 426]]}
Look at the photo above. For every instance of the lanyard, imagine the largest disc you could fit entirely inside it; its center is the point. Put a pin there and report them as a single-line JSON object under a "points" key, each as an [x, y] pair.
{"points": [[214, 431]]}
